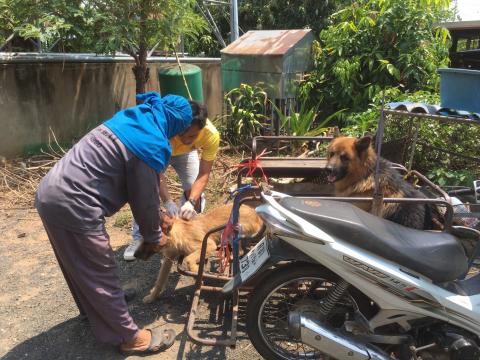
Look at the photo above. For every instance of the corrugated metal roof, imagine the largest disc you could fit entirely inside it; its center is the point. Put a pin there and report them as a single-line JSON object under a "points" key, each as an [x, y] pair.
{"points": [[461, 25], [432, 109], [266, 42]]}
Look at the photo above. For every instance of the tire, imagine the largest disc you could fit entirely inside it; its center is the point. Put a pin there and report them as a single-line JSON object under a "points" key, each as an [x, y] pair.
{"points": [[259, 299]]}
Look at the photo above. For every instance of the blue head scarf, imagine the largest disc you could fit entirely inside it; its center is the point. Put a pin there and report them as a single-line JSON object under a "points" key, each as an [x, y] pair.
{"points": [[145, 129]]}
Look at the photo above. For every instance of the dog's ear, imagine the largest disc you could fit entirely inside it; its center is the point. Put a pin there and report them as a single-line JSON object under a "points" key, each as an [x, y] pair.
{"points": [[363, 144], [167, 223]]}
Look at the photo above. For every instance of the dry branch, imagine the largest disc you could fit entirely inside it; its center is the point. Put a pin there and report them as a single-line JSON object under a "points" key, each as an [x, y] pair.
{"points": [[19, 178]]}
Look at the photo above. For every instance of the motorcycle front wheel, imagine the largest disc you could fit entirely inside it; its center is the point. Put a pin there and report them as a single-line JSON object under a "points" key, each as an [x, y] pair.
{"points": [[296, 287]]}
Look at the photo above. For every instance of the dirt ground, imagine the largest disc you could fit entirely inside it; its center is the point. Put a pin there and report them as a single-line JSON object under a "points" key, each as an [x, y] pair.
{"points": [[38, 316]]}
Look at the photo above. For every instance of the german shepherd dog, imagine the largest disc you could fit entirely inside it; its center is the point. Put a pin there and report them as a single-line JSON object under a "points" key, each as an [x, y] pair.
{"points": [[184, 238], [351, 165]]}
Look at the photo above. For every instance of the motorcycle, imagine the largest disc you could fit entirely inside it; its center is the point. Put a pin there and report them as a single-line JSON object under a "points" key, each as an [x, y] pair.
{"points": [[331, 281]]}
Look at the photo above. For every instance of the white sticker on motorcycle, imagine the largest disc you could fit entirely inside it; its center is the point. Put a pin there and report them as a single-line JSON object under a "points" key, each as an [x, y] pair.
{"points": [[255, 258]]}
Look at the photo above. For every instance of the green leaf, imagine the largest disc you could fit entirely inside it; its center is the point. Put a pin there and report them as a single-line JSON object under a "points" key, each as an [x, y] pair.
{"points": [[392, 70]]}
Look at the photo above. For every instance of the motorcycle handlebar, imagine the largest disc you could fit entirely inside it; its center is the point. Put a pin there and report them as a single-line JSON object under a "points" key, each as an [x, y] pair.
{"points": [[462, 192], [475, 190]]}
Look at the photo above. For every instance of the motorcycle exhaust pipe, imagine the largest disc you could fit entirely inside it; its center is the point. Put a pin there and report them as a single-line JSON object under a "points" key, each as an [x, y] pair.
{"points": [[331, 342]]}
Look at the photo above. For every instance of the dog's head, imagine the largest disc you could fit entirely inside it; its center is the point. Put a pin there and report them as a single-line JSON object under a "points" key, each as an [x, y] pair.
{"points": [[345, 155]]}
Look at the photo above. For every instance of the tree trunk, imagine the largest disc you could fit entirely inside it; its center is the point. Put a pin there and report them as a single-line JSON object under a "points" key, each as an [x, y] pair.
{"points": [[141, 70], [142, 73]]}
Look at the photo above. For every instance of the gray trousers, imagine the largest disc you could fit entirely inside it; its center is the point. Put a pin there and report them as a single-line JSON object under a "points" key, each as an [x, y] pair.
{"points": [[187, 167], [88, 265]]}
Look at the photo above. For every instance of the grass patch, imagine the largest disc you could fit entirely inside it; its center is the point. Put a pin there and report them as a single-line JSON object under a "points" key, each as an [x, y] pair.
{"points": [[123, 219]]}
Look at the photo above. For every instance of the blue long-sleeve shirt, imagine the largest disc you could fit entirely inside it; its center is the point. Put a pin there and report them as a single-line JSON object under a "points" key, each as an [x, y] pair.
{"points": [[94, 180]]}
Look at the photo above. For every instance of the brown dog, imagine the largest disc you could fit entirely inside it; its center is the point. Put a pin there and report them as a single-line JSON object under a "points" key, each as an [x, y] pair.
{"points": [[351, 163], [184, 238]]}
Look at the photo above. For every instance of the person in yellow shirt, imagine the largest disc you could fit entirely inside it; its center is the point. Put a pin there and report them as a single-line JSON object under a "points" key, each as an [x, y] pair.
{"points": [[193, 171]]}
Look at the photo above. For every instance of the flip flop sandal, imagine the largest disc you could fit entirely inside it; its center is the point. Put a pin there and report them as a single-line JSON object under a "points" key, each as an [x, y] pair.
{"points": [[162, 339]]}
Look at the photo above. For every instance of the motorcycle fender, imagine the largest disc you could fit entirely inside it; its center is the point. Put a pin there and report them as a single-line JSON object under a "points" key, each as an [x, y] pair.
{"points": [[280, 252]]}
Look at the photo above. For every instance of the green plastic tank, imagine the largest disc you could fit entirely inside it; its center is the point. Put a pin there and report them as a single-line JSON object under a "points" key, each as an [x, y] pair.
{"points": [[171, 81]]}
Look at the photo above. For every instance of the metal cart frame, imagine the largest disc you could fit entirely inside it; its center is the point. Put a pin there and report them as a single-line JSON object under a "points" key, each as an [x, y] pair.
{"points": [[301, 167]]}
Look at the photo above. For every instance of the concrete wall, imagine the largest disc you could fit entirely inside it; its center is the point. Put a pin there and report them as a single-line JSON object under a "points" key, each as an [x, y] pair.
{"points": [[73, 96]]}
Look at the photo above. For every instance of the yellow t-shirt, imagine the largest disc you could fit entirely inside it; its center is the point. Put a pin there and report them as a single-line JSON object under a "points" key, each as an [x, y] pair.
{"points": [[208, 140]]}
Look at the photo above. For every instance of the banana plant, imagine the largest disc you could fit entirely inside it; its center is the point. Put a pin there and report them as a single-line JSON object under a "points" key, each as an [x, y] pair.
{"points": [[303, 122], [246, 113]]}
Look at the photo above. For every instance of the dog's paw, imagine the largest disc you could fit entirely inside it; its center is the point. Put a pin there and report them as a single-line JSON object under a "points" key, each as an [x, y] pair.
{"points": [[153, 296], [149, 299]]}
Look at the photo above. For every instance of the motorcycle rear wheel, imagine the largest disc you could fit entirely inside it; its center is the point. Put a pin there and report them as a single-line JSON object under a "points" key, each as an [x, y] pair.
{"points": [[294, 287]]}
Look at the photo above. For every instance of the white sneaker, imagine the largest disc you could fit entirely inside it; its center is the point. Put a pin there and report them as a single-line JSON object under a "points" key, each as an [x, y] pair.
{"points": [[129, 254]]}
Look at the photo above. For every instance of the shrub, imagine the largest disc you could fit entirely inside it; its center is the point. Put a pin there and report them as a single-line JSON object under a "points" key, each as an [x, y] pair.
{"points": [[444, 152], [246, 109], [374, 44]]}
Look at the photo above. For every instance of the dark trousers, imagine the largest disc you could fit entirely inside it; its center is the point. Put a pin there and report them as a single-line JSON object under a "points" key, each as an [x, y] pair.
{"points": [[88, 265]]}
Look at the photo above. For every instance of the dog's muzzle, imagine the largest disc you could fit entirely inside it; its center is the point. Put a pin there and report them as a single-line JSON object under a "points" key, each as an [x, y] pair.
{"points": [[333, 174]]}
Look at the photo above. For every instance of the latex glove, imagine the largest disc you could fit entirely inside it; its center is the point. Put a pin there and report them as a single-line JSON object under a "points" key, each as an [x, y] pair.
{"points": [[172, 208], [187, 211]]}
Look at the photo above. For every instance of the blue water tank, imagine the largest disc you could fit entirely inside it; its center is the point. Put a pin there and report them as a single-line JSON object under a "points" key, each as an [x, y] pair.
{"points": [[460, 89]]}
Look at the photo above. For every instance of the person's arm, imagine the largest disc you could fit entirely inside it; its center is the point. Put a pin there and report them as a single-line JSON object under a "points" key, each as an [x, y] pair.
{"points": [[209, 153], [189, 209], [201, 182], [143, 187], [170, 205], [164, 195]]}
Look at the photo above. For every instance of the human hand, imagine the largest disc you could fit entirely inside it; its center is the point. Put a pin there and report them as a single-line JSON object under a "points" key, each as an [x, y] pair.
{"points": [[187, 211], [146, 250], [172, 208]]}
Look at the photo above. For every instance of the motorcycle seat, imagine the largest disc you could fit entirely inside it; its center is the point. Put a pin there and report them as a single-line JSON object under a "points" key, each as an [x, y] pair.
{"points": [[436, 255]]}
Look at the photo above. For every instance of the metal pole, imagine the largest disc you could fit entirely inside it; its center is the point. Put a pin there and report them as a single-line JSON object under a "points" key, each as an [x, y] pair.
{"points": [[213, 25], [377, 203], [378, 145], [414, 145], [233, 20], [216, 31]]}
